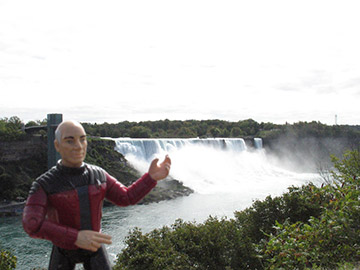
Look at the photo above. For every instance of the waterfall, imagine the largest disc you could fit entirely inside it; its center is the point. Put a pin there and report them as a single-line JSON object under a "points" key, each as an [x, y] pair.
{"points": [[258, 143], [211, 166], [147, 149]]}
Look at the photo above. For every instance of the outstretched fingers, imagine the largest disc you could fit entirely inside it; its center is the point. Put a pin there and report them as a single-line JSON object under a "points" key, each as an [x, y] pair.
{"points": [[167, 160], [166, 164]]}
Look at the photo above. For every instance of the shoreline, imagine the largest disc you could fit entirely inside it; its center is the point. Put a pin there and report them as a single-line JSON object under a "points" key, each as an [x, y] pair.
{"points": [[11, 209]]}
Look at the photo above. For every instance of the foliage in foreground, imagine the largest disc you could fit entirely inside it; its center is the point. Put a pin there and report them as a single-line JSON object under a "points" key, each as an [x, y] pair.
{"points": [[334, 236], [307, 227], [7, 260]]}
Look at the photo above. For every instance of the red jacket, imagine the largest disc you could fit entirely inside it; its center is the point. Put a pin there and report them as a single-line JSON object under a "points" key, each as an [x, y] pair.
{"points": [[55, 209]]}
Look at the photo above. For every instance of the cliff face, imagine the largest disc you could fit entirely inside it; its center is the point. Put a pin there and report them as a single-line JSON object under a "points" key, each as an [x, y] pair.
{"points": [[14, 151], [20, 163]]}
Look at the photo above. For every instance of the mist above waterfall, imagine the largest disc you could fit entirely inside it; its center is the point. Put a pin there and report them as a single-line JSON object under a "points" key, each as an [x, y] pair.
{"points": [[210, 166]]}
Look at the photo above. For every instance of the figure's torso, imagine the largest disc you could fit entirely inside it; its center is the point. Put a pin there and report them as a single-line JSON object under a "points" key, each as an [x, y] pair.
{"points": [[75, 195]]}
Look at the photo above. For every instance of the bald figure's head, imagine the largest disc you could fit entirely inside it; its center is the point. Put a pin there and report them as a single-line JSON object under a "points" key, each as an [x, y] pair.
{"points": [[65, 125], [70, 142]]}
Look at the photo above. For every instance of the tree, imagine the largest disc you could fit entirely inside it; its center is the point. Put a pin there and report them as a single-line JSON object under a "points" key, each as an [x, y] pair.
{"points": [[185, 132], [235, 132], [215, 132], [140, 132], [11, 129]]}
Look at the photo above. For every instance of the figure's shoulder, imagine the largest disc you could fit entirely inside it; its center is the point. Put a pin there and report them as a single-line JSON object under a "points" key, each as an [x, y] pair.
{"points": [[47, 179], [95, 169], [49, 175], [96, 172]]}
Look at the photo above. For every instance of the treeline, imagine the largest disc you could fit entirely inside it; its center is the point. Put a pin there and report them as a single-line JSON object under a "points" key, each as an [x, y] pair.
{"points": [[308, 227], [180, 129], [13, 128], [217, 128]]}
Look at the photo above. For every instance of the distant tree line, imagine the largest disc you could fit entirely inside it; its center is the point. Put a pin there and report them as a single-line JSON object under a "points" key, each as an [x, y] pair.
{"points": [[218, 128], [179, 129], [12, 128]]}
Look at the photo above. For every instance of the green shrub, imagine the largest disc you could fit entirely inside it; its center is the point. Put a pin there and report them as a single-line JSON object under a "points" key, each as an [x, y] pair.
{"points": [[298, 204], [185, 245], [7, 260], [150, 251], [332, 238]]}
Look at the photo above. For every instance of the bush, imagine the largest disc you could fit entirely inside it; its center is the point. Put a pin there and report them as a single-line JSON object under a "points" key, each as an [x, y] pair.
{"points": [[298, 204], [332, 238], [183, 246], [7, 260]]}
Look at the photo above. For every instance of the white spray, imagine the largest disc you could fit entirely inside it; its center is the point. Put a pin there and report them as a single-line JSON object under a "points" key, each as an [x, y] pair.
{"points": [[211, 166]]}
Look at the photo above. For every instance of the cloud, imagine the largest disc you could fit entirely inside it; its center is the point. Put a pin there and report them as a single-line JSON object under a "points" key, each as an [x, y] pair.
{"points": [[352, 84]]}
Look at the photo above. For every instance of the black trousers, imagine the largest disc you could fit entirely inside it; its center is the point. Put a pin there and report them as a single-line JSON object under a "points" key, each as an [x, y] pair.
{"points": [[62, 259]]}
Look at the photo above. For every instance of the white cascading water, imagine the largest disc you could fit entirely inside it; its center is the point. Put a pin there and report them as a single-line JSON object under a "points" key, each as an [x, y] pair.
{"points": [[210, 166]]}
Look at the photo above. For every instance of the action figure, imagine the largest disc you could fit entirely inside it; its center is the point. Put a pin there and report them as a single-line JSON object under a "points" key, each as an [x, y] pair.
{"points": [[65, 203]]}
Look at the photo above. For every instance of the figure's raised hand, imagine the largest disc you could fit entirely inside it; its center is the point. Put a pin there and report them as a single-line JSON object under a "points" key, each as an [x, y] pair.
{"points": [[160, 171]]}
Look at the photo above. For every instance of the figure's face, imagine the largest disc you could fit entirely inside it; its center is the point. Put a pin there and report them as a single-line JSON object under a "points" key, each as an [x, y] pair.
{"points": [[73, 145]]}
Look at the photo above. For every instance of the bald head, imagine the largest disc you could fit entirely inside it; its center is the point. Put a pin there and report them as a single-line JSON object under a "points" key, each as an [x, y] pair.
{"points": [[70, 142], [65, 126]]}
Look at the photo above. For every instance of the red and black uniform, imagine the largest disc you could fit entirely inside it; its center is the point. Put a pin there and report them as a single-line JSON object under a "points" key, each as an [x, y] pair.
{"points": [[65, 200]]}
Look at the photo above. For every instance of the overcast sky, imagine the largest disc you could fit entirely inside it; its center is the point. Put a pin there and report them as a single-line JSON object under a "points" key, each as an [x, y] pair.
{"points": [[113, 60]]}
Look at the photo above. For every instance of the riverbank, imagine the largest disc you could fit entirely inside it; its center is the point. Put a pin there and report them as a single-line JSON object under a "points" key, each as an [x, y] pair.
{"points": [[11, 208]]}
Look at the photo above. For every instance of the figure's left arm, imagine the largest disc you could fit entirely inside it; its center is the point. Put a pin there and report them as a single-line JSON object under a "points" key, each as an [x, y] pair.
{"points": [[123, 196]]}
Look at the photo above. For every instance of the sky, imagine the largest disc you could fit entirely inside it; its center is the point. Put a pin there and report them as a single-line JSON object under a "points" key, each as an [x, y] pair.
{"points": [[115, 60]]}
